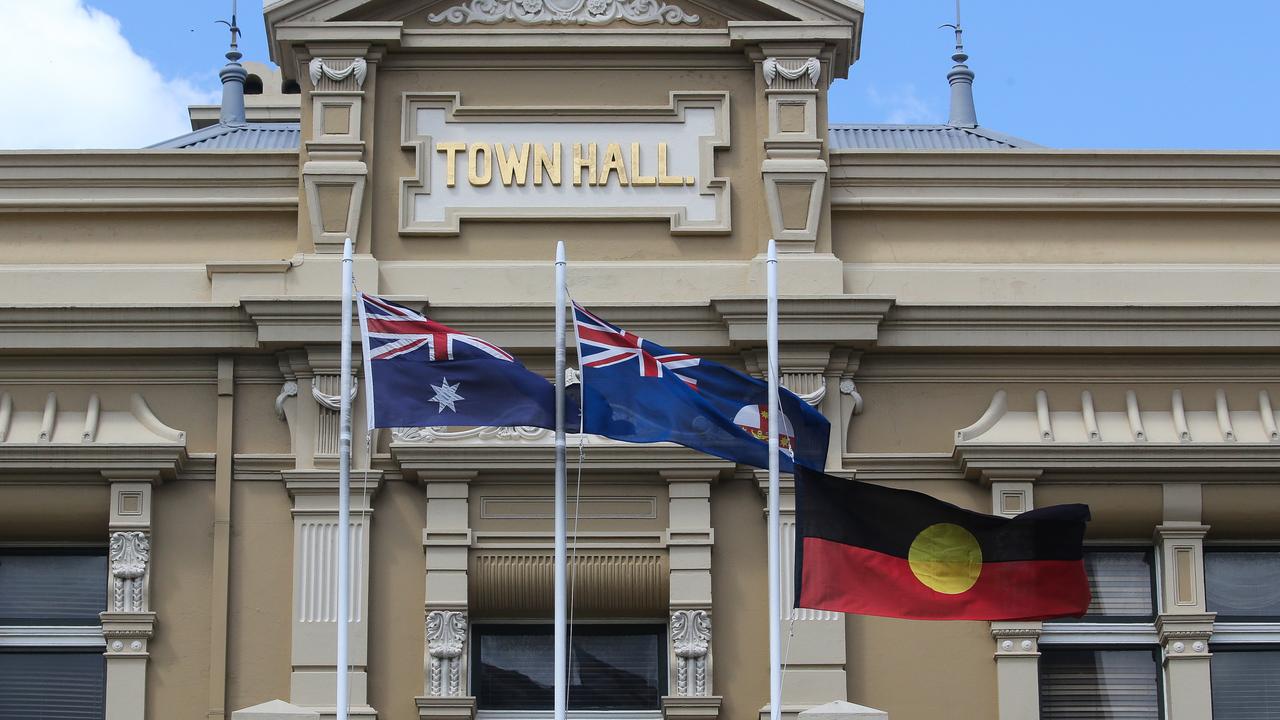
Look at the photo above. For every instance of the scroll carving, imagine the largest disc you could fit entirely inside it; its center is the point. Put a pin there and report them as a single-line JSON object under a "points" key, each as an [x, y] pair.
{"points": [[333, 402], [565, 12], [432, 434], [129, 553], [691, 643], [446, 639]]}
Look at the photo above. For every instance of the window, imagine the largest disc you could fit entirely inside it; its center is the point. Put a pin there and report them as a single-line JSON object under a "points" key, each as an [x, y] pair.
{"points": [[51, 663], [1106, 664], [1112, 684], [1242, 585], [611, 667]]}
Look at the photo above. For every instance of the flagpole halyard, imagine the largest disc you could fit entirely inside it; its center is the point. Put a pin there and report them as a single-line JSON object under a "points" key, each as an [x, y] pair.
{"points": [[561, 550], [774, 524], [344, 489]]}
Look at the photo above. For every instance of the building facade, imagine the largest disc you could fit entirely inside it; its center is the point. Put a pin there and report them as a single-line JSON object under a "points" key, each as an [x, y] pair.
{"points": [[997, 324]]}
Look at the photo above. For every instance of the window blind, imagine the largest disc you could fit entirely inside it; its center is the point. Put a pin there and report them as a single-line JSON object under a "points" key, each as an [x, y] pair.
{"points": [[1242, 584], [52, 588], [1078, 684], [611, 667], [1246, 684], [1121, 583], [52, 685]]}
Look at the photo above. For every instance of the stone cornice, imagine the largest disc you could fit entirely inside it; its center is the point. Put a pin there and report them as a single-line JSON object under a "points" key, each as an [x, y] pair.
{"points": [[1094, 462], [1055, 180], [844, 319], [1030, 327], [125, 327], [148, 181]]}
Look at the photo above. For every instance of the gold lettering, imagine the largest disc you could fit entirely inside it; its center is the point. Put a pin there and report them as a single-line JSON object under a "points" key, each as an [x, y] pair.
{"points": [[580, 163], [474, 165], [513, 168], [663, 177], [638, 179], [451, 151], [548, 163], [613, 162]]}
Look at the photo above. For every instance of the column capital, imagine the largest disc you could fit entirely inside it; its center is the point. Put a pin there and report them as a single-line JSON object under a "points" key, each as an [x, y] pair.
{"points": [[1185, 636], [1016, 639]]}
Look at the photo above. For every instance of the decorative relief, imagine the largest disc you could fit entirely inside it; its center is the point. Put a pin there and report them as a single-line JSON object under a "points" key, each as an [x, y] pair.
{"points": [[129, 554], [329, 402], [432, 434], [690, 642], [287, 390], [357, 70], [847, 387], [446, 639], [565, 12], [810, 69]]}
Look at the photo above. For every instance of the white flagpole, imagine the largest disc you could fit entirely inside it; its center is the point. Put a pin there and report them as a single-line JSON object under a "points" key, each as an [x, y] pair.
{"points": [[344, 485], [561, 561], [775, 524]]}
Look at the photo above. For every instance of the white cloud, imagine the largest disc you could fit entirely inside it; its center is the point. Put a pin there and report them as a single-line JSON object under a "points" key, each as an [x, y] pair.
{"points": [[901, 105], [73, 81]]}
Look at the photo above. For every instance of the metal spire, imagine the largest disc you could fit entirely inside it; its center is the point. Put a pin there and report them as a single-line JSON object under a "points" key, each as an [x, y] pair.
{"points": [[233, 77], [963, 113]]}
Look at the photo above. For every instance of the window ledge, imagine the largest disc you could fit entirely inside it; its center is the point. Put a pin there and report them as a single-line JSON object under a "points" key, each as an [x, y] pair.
{"points": [[1230, 633], [51, 636], [1098, 633]]}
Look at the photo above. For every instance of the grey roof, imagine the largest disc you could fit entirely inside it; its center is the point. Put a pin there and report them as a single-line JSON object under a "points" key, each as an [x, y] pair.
{"points": [[871, 136], [250, 136]]}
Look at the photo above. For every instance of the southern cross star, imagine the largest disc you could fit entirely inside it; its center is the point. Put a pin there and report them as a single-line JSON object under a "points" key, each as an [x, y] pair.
{"points": [[446, 395]]}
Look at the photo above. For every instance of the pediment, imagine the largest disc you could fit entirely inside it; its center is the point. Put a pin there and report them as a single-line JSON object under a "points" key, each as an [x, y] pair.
{"points": [[693, 14]]}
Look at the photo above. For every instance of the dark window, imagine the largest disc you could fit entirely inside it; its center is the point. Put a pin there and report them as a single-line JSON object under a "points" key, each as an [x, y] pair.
{"points": [[290, 87], [253, 85], [1242, 585], [611, 667], [1246, 683], [52, 587], [52, 685], [1110, 684], [1123, 585]]}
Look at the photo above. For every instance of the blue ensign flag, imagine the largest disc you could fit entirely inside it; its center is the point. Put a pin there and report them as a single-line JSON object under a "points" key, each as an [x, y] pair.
{"points": [[422, 373], [635, 390]]}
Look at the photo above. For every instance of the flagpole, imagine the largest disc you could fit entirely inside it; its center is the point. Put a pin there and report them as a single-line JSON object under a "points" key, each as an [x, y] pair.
{"points": [[344, 485], [561, 552], [775, 526]]}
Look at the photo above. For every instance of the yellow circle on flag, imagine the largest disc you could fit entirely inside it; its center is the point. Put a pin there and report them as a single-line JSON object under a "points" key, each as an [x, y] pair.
{"points": [[946, 558]]}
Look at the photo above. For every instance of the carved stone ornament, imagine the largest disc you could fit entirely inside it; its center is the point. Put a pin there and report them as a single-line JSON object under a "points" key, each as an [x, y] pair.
{"points": [[446, 638], [565, 12], [129, 553], [772, 69], [847, 387], [287, 390], [333, 402], [690, 642], [432, 434], [318, 68]]}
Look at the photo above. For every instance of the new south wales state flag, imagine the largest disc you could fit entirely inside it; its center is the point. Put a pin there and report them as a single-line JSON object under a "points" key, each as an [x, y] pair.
{"points": [[871, 550]]}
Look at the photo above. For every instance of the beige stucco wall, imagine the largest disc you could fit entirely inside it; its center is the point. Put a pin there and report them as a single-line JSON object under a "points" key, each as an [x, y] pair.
{"points": [[397, 578]]}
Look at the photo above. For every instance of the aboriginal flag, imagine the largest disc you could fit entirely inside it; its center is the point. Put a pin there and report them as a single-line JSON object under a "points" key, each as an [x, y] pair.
{"points": [[872, 550]]}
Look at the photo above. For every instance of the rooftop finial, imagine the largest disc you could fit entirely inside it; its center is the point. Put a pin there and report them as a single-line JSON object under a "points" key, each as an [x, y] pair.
{"points": [[963, 113], [233, 76]]}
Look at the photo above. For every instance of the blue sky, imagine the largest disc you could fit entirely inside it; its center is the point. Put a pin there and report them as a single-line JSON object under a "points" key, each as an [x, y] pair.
{"points": [[1093, 73]]}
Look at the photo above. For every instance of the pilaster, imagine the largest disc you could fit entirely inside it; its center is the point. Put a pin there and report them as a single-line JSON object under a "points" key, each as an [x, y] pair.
{"points": [[689, 542], [1183, 625], [1017, 650], [794, 168], [446, 540], [315, 546], [816, 645], [128, 624], [336, 141]]}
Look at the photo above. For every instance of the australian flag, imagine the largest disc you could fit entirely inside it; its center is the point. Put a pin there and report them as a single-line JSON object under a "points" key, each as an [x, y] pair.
{"points": [[635, 390], [423, 373]]}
